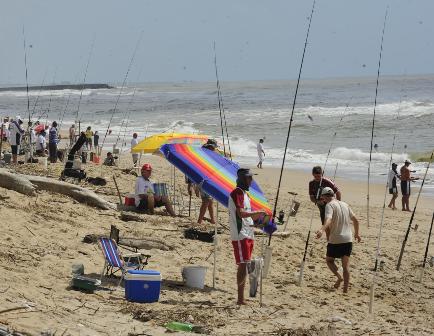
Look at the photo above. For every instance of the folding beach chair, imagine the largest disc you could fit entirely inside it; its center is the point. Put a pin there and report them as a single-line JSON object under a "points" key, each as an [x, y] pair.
{"points": [[114, 261]]}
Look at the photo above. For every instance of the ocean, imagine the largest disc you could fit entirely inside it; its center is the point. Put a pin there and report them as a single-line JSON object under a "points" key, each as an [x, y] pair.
{"points": [[262, 109]]}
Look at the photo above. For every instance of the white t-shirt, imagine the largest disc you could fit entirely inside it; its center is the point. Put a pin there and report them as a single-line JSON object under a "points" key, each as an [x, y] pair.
{"points": [[260, 149], [390, 177], [16, 132], [134, 142], [41, 142], [241, 228], [340, 230], [143, 187]]}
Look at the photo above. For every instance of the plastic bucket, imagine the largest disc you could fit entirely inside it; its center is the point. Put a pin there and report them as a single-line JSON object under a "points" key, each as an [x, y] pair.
{"points": [[194, 276], [43, 161]]}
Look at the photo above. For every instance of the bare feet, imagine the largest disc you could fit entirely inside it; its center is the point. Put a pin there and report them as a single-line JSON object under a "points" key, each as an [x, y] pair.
{"points": [[338, 283], [345, 289], [242, 303]]}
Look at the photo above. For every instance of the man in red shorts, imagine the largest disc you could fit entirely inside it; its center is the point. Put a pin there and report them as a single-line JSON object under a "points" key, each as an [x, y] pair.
{"points": [[241, 225]]}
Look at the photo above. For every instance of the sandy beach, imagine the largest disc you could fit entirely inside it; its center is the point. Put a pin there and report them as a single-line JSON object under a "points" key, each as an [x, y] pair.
{"points": [[43, 238]]}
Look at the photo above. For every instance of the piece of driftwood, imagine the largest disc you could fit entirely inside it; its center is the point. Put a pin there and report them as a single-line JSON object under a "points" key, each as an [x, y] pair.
{"points": [[80, 194], [146, 244], [128, 216], [16, 182]]}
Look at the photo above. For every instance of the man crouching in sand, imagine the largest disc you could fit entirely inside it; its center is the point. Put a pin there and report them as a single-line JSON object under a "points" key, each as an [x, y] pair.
{"points": [[338, 217], [241, 223]]}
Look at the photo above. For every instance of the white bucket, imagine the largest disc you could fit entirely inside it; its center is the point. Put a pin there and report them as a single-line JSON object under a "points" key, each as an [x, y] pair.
{"points": [[43, 161], [194, 276]]}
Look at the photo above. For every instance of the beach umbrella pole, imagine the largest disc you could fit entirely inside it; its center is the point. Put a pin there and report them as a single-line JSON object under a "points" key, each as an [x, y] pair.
{"points": [[215, 246]]}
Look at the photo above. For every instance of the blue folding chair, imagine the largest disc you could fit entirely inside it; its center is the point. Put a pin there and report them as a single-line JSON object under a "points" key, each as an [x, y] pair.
{"points": [[114, 261]]}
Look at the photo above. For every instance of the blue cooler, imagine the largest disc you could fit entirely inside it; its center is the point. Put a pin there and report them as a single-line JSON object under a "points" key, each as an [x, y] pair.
{"points": [[142, 285]]}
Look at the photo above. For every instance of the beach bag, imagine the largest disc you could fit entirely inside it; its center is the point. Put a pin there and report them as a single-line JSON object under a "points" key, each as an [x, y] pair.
{"points": [[207, 237]]}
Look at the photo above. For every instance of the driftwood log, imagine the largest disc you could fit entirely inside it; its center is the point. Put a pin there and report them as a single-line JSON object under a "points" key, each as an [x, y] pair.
{"points": [[16, 182], [28, 184], [145, 244]]}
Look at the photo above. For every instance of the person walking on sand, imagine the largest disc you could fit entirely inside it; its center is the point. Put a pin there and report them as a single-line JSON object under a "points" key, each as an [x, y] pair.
{"points": [[89, 136], [338, 218], [241, 224], [261, 153], [406, 178], [72, 135], [134, 142], [318, 183], [391, 182]]}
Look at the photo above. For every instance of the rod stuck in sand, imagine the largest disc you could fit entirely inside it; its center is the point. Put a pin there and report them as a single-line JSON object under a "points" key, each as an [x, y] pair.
{"points": [[404, 242], [373, 116]]}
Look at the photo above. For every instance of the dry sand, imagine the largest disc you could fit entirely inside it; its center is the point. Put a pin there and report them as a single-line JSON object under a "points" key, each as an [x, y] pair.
{"points": [[42, 238]]}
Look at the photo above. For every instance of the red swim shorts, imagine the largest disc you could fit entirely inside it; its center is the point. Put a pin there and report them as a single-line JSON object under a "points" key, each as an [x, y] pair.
{"points": [[243, 250]]}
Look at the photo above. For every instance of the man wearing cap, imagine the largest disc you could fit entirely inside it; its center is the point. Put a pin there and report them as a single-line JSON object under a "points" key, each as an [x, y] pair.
{"points": [[316, 185], [338, 218], [134, 142], [391, 183], [145, 198], [15, 137], [406, 178], [241, 224]]}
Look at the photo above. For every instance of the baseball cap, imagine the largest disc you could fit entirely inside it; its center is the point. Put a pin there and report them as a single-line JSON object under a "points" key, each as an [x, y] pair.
{"points": [[146, 166], [406, 161], [327, 192], [241, 172]]}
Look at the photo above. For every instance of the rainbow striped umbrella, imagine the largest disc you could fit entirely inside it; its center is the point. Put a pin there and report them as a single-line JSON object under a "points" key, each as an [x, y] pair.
{"points": [[216, 174]]}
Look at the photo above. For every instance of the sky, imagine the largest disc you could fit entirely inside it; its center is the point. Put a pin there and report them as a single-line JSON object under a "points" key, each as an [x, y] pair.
{"points": [[255, 39]]}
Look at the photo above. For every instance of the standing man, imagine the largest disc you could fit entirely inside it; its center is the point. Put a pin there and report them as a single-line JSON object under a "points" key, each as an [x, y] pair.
{"points": [[318, 183], [391, 183], [15, 137], [406, 178], [241, 225], [338, 218], [134, 142], [53, 140], [72, 135], [261, 153]]}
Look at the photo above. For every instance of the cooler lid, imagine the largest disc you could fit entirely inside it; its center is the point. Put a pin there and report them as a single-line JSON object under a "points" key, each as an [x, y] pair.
{"points": [[143, 272]]}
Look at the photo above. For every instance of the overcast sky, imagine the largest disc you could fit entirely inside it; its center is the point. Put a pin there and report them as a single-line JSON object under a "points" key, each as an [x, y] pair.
{"points": [[255, 39]]}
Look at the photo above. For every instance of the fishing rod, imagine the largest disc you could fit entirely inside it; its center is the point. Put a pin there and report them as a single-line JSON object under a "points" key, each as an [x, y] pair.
{"points": [[62, 116], [292, 115], [317, 197], [219, 100], [380, 230], [27, 77], [127, 113], [84, 80], [373, 117], [412, 214], [122, 87], [39, 93], [427, 248]]}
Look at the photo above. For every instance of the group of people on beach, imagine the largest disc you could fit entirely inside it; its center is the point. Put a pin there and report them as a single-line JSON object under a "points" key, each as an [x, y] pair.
{"points": [[405, 177], [38, 135], [337, 219]]}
